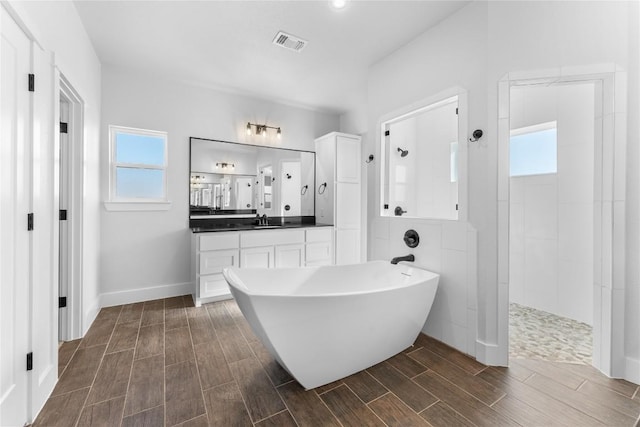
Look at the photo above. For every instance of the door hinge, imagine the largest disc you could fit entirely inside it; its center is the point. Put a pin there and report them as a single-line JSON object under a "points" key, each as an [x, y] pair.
{"points": [[456, 206], [386, 133], [456, 110], [30, 221], [64, 127], [63, 214], [30, 361], [62, 302], [32, 82]]}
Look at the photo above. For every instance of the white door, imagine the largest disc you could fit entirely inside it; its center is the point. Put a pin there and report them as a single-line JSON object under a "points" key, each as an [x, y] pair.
{"points": [[290, 256], [14, 237], [262, 257], [347, 160], [44, 237]]}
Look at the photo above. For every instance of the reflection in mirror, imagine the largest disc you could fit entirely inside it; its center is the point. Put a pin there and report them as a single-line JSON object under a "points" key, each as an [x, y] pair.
{"points": [[244, 180], [420, 167]]}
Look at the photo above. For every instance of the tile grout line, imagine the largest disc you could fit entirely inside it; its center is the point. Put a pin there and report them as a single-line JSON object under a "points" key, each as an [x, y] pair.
{"points": [[97, 370], [246, 407], [365, 404], [135, 347], [195, 357], [164, 363]]}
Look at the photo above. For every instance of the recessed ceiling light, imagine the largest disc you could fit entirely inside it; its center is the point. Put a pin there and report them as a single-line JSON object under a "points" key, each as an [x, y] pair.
{"points": [[338, 4]]}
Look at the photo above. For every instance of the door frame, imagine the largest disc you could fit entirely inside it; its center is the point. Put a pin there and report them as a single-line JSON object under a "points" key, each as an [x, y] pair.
{"points": [[609, 203], [72, 329]]}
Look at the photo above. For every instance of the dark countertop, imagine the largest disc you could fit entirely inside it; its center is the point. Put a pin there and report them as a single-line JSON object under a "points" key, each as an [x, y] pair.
{"points": [[243, 225]]}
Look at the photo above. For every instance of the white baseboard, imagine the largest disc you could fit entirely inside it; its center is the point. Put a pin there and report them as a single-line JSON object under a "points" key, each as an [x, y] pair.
{"points": [[632, 370], [145, 294], [490, 354], [89, 316]]}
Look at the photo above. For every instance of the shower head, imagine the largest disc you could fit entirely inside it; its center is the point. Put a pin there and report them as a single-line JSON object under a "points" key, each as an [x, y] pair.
{"points": [[403, 153]]}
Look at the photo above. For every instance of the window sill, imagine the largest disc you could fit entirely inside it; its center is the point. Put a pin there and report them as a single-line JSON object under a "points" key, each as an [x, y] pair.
{"points": [[137, 206]]}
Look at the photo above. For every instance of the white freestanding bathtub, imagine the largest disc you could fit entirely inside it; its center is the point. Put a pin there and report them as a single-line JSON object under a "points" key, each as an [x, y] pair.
{"points": [[325, 323]]}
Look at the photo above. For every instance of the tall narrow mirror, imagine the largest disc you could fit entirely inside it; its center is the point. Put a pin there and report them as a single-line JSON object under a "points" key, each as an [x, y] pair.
{"points": [[420, 162]]}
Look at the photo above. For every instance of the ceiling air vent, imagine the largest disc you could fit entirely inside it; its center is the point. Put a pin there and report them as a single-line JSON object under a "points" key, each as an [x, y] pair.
{"points": [[290, 42]]}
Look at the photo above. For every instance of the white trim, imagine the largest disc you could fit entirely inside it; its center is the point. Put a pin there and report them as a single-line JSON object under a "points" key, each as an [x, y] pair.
{"points": [[534, 128], [75, 301], [447, 96], [608, 347], [89, 316], [632, 370], [124, 206], [145, 294]]}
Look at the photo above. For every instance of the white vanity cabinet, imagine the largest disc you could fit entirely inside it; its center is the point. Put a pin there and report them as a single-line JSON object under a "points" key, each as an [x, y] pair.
{"points": [[285, 248], [338, 192], [272, 248], [319, 246], [211, 252]]}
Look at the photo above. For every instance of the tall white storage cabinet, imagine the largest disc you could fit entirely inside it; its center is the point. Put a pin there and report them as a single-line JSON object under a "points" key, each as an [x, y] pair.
{"points": [[338, 192]]}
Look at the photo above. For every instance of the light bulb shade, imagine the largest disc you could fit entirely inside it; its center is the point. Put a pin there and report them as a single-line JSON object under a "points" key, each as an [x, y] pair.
{"points": [[338, 4], [248, 128], [264, 131], [279, 133]]}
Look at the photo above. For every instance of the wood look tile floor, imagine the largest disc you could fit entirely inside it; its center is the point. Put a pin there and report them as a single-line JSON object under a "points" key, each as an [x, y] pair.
{"points": [[167, 363]]}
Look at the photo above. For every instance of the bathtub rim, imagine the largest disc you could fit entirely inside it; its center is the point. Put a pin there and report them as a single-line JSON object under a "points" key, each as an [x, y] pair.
{"points": [[234, 281]]}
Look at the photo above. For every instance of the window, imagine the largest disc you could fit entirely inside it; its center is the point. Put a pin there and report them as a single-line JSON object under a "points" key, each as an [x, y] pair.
{"points": [[533, 150], [138, 163]]}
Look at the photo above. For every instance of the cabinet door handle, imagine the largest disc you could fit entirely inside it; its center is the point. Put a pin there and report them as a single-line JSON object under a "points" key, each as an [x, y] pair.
{"points": [[322, 188]]}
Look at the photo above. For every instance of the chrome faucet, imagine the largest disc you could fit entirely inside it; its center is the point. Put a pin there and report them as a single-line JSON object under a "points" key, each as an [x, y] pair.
{"points": [[409, 257]]}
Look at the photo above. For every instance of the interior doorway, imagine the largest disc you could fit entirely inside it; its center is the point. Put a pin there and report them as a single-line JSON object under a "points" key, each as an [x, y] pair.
{"points": [[551, 226], [71, 182], [63, 243], [609, 185]]}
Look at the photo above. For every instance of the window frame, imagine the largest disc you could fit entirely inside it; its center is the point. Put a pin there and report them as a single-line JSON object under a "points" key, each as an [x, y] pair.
{"points": [[115, 203]]}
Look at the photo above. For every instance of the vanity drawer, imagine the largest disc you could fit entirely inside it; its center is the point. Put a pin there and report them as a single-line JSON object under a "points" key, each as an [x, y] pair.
{"points": [[212, 285], [220, 240], [214, 261], [252, 239], [322, 234], [318, 253]]}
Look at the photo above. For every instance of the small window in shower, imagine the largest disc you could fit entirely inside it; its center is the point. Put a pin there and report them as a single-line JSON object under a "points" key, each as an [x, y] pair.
{"points": [[533, 150]]}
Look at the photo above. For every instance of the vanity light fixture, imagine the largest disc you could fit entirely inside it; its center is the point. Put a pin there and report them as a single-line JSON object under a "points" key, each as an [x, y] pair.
{"points": [[262, 129], [338, 4], [223, 165]]}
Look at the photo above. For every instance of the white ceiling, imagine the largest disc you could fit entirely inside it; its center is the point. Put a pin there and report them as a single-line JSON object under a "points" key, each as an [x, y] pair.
{"points": [[228, 44]]}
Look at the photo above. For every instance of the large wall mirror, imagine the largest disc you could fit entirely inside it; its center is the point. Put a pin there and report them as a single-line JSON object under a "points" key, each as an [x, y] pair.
{"points": [[228, 178], [421, 160]]}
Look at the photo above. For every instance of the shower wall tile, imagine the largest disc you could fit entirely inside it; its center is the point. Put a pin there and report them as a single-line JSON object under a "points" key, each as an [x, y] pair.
{"points": [[575, 240], [575, 288], [453, 285], [620, 155], [575, 174], [454, 235]]}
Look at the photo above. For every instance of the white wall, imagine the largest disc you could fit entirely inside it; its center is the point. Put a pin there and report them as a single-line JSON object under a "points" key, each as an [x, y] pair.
{"points": [[449, 55], [146, 254], [474, 49], [58, 28], [551, 215]]}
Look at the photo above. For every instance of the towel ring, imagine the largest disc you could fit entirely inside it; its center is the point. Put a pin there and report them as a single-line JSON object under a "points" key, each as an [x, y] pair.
{"points": [[322, 188], [304, 190]]}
